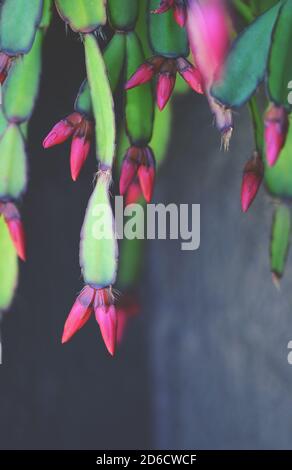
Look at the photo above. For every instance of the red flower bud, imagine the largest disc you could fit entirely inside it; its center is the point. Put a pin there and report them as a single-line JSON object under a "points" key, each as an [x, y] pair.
{"points": [[146, 174], [164, 6], [164, 89], [191, 75], [142, 75], [276, 129], [80, 148], [134, 192], [15, 227], [252, 178], [79, 313], [106, 317], [5, 64], [129, 168], [127, 308], [62, 130]]}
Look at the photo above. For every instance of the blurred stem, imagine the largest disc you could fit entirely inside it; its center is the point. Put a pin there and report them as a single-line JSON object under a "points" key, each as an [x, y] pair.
{"points": [[257, 122], [244, 10]]}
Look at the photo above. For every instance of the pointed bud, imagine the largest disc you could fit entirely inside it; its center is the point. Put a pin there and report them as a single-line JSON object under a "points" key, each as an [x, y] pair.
{"points": [[5, 64], [129, 168], [180, 13], [276, 129], [106, 317], [62, 130], [191, 75], [134, 192], [15, 227], [142, 75], [164, 6], [164, 88], [252, 178], [146, 174], [79, 313], [80, 148]]}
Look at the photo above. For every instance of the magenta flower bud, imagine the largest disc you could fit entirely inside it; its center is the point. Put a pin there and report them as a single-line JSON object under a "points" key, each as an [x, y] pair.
{"points": [[146, 174], [80, 148], [180, 13], [126, 309], [129, 168], [276, 129], [62, 130], [191, 75], [134, 192], [164, 88], [15, 227], [79, 313], [106, 317], [142, 75], [251, 181]]}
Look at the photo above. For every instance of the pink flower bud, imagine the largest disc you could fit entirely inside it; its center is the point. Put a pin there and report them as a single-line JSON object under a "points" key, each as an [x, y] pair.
{"points": [[180, 13], [79, 313], [15, 227], [5, 64], [62, 130], [146, 174], [251, 181], [164, 88], [164, 6], [129, 168], [106, 317], [276, 129], [191, 75], [126, 309], [80, 148], [134, 192], [209, 36], [142, 75]]}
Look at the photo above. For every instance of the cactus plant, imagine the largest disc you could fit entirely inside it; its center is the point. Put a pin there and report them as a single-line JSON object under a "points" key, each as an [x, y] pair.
{"points": [[180, 46]]}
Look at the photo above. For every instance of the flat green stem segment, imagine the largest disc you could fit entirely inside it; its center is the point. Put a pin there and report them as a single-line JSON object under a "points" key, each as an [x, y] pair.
{"points": [[280, 239], [278, 179], [280, 62], [47, 14], [166, 36], [102, 101], [258, 125], [83, 16], [19, 20], [8, 267], [139, 100], [98, 246], [13, 174], [114, 57], [123, 14], [21, 87], [245, 66]]}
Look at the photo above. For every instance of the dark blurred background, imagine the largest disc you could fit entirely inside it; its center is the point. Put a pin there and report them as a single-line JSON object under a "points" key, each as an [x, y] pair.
{"points": [[205, 364]]}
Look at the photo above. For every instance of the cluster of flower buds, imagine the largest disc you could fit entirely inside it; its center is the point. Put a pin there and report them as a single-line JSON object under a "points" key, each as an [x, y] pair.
{"points": [[166, 70], [101, 301], [179, 10], [253, 174], [137, 174], [80, 128], [5, 64], [276, 129], [12, 218]]}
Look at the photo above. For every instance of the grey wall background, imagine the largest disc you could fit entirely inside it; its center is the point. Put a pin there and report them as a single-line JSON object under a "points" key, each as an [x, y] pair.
{"points": [[205, 365]]}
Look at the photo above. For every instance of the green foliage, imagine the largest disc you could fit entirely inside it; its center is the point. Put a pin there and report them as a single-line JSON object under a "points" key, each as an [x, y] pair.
{"points": [[83, 16], [21, 87], [98, 248], [166, 37], [102, 101], [19, 20], [280, 239], [246, 64], [139, 100], [13, 176]]}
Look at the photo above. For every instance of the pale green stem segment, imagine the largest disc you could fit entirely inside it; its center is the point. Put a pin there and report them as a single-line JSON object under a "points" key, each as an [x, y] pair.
{"points": [[280, 239], [102, 102], [8, 267], [83, 16], [98, 246]]}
